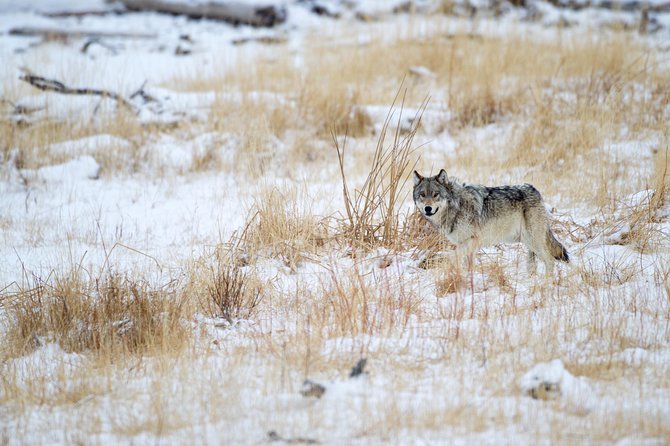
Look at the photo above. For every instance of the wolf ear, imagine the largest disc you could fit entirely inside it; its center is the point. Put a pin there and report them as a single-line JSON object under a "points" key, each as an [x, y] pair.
{"points": [[442, 177], [417, 178]]}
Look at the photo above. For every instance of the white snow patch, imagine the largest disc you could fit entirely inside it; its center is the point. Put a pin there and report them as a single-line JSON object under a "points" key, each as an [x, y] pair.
{"points": [[89, 145], [47, 363], [81, 168], [549, 380]]}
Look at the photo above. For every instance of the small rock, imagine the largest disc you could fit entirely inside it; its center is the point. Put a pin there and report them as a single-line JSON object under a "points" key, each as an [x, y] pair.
{"points": [[358, 368], [273, 436], [551, 381], [544, 380], [310, 388]]}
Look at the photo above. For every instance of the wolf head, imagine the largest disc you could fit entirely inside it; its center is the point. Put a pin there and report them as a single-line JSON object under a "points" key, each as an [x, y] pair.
{"points": [[434, 195]]}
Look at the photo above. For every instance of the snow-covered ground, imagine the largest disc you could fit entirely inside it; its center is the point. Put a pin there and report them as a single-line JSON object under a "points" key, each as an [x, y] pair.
{"points": [[156, 191]]}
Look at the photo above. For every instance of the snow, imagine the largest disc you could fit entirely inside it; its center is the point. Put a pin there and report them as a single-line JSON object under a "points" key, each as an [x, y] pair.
{"points": [[435, 375], [81, 168], [89, 145], [43, 6]]}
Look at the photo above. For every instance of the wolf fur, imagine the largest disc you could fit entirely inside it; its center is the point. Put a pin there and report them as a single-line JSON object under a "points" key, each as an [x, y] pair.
{"points": [[471, 216]]}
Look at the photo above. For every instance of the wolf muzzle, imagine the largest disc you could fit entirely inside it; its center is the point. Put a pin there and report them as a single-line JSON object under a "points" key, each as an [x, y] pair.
{"points": [[430, 211]]}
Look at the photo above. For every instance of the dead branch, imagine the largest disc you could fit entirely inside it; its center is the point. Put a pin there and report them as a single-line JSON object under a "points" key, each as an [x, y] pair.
{"points": [[141, 93], [54, 33], [83, 13], [45, 84], [229, 11], [267, 40]]}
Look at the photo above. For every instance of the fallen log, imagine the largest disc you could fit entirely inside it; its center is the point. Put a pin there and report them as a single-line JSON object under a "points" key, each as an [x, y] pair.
{"points": [[83, 13], [659, 7], [54, 33], [233, 12], [45, 84], [614, 5]]}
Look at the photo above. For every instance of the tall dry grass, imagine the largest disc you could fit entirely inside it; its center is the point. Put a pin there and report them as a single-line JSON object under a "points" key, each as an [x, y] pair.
{"points": [[564, 99], [223, 287], [111, 316], [32, 142], [429, 337], [282, 226], [371, 213]]}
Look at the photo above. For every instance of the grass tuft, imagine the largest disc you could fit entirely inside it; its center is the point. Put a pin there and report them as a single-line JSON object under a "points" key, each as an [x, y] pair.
{"points": [[372, 218], [231, 294], [110, 316]]}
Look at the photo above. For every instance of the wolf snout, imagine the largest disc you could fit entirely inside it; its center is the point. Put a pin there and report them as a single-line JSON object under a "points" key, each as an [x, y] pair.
{"points": [[429, 210]]}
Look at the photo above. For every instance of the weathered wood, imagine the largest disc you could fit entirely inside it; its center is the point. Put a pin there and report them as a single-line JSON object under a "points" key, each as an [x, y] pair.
{"points": [[234, 12], [267, 40], [614, 5], [55, 33], [45, 84], [83, 13]]}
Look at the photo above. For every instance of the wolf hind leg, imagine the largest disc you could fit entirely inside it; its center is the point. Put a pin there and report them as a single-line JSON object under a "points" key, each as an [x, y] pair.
{"points": [[538, 247], [542, 250], [526, 237]]}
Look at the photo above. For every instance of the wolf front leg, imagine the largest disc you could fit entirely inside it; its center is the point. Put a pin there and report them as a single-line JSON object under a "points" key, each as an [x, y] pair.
{"points": [[465, 252], [531, 263]]}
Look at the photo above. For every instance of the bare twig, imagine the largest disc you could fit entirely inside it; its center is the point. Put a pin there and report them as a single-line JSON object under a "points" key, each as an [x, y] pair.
{"points": [[146, 97]]}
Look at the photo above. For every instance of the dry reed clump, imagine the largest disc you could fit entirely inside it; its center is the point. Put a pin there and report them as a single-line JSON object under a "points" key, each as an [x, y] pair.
{"points": [[282, 226], [230, 293], [109, 316], [371, 217], [257, 123], [498, 277]]}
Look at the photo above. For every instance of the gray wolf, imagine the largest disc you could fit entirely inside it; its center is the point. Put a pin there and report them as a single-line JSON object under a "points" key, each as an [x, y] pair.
{"points": [[471, 216]]}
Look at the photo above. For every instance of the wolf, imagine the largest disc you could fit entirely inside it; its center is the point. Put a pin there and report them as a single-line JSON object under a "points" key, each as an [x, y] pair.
{"points": [[471, 216]]}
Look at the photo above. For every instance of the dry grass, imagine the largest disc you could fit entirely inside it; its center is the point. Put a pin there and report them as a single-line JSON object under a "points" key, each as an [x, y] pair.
{"points": [[372, 218], [450, 279], [34, 141], [111, 316], [228, 292], [443, 356], [356, 305], [282, 226], [661, 180]]}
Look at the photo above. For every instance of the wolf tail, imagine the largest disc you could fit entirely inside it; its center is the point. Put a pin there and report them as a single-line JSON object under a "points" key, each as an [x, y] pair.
{"points": [[557, 250]]}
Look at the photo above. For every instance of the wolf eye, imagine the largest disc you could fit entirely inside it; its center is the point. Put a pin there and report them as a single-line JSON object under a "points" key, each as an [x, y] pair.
{"points": [[436, 194], [422, 195]]}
